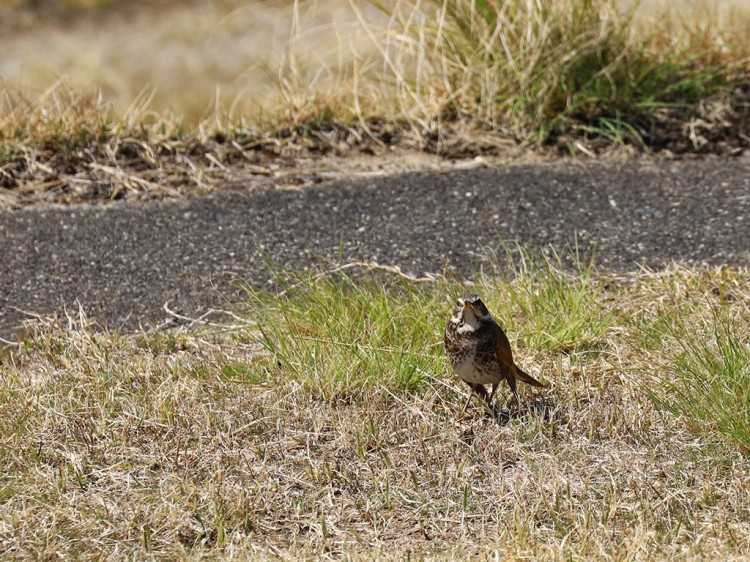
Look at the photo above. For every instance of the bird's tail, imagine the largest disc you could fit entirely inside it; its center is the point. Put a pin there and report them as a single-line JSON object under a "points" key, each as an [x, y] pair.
{"points": [[523, 376]]}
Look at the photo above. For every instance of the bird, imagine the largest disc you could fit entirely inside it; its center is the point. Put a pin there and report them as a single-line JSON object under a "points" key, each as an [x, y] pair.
{"points": [[479, 351]]}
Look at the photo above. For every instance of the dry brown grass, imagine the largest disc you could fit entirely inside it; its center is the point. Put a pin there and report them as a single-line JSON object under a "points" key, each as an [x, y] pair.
{"points": [[194, 446], [213, 65], [273, 65]]}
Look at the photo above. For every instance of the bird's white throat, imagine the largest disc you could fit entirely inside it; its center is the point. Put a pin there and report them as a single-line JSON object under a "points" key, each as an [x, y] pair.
{"points": [[468, 323]]}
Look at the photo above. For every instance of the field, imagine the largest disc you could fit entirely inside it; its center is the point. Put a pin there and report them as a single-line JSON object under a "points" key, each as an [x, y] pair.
{"points": [[323, 421], [326, 425]]}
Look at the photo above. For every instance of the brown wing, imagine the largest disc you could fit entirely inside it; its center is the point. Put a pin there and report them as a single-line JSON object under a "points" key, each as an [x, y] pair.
{"points": [[502, 346], [505, 354]]}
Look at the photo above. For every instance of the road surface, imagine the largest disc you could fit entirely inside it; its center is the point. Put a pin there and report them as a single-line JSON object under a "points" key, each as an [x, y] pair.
{"points": [[123, 261]]}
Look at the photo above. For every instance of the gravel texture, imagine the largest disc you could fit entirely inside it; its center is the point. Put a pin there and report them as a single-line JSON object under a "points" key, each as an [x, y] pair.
{"points": [[123, 261]]}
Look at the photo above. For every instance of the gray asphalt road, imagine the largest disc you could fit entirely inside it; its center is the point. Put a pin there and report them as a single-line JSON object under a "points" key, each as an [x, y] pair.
{"points": [[122, 262]]}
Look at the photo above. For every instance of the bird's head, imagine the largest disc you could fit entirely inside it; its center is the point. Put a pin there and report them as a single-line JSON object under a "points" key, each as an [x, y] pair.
{"points": [[471, 310]]}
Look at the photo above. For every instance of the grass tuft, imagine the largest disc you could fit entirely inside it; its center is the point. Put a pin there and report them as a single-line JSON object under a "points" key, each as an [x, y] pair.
{"points": [[559, 309], [537, 70], [342, 337], [345, 336], [704, 377]]}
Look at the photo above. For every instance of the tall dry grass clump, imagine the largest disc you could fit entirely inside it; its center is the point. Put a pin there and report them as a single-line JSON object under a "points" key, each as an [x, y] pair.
{"points": [[532, 69], [433, 73]]}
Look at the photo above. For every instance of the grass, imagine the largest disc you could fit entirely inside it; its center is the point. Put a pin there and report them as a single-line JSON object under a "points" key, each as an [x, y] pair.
{"points": [[560, 310], [703, 375], [342, 339], [328, 427], [536, 70]]}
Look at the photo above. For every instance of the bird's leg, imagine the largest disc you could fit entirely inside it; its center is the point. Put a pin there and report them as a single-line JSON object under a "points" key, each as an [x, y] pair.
{"points": [[471, 395], [512, 383], [479, 389], [488, 400], [492, 394]]}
